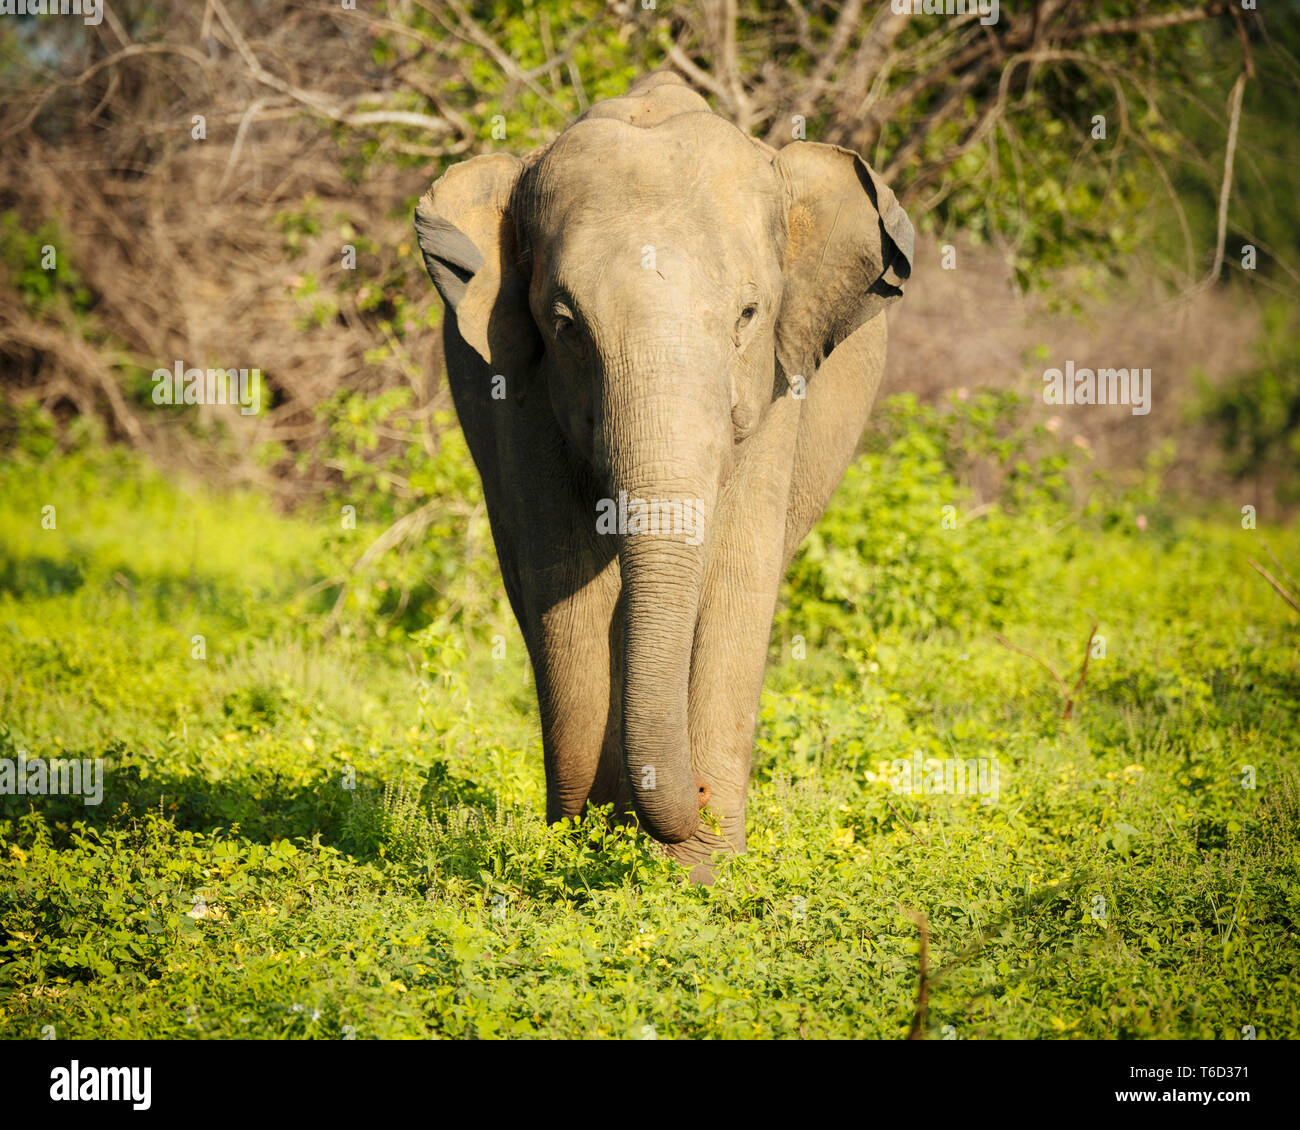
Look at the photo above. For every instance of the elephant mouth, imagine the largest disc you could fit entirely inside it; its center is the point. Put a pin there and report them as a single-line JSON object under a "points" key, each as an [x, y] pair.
{"points": [[703, 792]]}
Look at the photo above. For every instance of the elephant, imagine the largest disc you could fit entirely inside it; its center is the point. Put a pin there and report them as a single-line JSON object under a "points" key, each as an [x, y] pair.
{"points": [[663, 338]]}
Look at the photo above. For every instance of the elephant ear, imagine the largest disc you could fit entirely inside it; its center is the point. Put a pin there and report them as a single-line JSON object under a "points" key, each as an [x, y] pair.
{"points": [[848, 251], [467, 234]]}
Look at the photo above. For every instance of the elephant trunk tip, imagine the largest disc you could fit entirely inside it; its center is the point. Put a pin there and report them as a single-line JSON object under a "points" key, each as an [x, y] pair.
{"points": [[673, 826]]}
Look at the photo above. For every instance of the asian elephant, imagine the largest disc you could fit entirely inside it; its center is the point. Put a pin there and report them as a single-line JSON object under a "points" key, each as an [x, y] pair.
{"points": [[663, 339]]}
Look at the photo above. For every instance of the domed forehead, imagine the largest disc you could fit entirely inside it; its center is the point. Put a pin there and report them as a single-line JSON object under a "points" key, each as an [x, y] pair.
{"points": [[695, 169]]}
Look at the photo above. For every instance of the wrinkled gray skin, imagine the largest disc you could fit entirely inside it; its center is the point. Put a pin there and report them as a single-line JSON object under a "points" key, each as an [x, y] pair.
{"points": [[672, 374]]}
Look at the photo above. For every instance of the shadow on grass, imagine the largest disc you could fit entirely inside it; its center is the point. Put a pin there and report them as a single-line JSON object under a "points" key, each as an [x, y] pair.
{"points": [[38, 577], [435, 827]]}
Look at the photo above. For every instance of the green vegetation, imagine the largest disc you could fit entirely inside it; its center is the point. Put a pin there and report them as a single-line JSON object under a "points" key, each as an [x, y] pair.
{"points": [[322, 792], [330, 825], [1257, 415]]}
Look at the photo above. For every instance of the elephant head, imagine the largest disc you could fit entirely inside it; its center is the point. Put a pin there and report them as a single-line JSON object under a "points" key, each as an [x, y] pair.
{"points": [[656, 281]]}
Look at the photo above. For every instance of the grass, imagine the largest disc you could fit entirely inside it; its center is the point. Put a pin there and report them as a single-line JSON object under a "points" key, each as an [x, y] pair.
{"points": [[330, 826]]}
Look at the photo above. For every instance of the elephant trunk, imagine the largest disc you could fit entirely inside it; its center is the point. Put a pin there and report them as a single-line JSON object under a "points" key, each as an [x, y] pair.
{"points": [[666, 467]]}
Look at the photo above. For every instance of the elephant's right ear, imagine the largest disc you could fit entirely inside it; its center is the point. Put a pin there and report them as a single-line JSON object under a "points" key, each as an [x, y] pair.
{"points": [[467, 234]]}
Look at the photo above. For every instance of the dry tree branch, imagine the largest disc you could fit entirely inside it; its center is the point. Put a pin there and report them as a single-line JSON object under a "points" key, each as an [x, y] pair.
{"points": [[869, 62], [907, 823], [730, 66], [1039, 40], [1068, 693], [1147, 23], [1225, 188], [1030, 655], [948, 106], [1290, 598], [840, 34], [777, 108], [473, 33], [80, 357], [318, 103], [802, 26], [687, 66], [1083, 672], [85, 76], [1279, 566]]}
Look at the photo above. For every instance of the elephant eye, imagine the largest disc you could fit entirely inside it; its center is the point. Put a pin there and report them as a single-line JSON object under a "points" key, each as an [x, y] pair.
{"points": [[561, 319], [746, 315]]}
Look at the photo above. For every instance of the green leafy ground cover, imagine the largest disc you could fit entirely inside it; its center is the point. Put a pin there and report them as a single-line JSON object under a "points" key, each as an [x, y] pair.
{"points": [[330, 824]]}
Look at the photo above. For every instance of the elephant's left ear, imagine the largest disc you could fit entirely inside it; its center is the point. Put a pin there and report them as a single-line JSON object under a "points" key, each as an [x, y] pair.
{"points": [[848, 251]]}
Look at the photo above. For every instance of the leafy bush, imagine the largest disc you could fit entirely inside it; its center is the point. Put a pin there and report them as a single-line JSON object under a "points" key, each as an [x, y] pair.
{"points": [[1257, 413], [905, 544]]}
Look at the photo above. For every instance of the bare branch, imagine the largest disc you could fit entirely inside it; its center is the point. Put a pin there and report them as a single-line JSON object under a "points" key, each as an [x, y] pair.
{"points": [[1277, 585]]}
